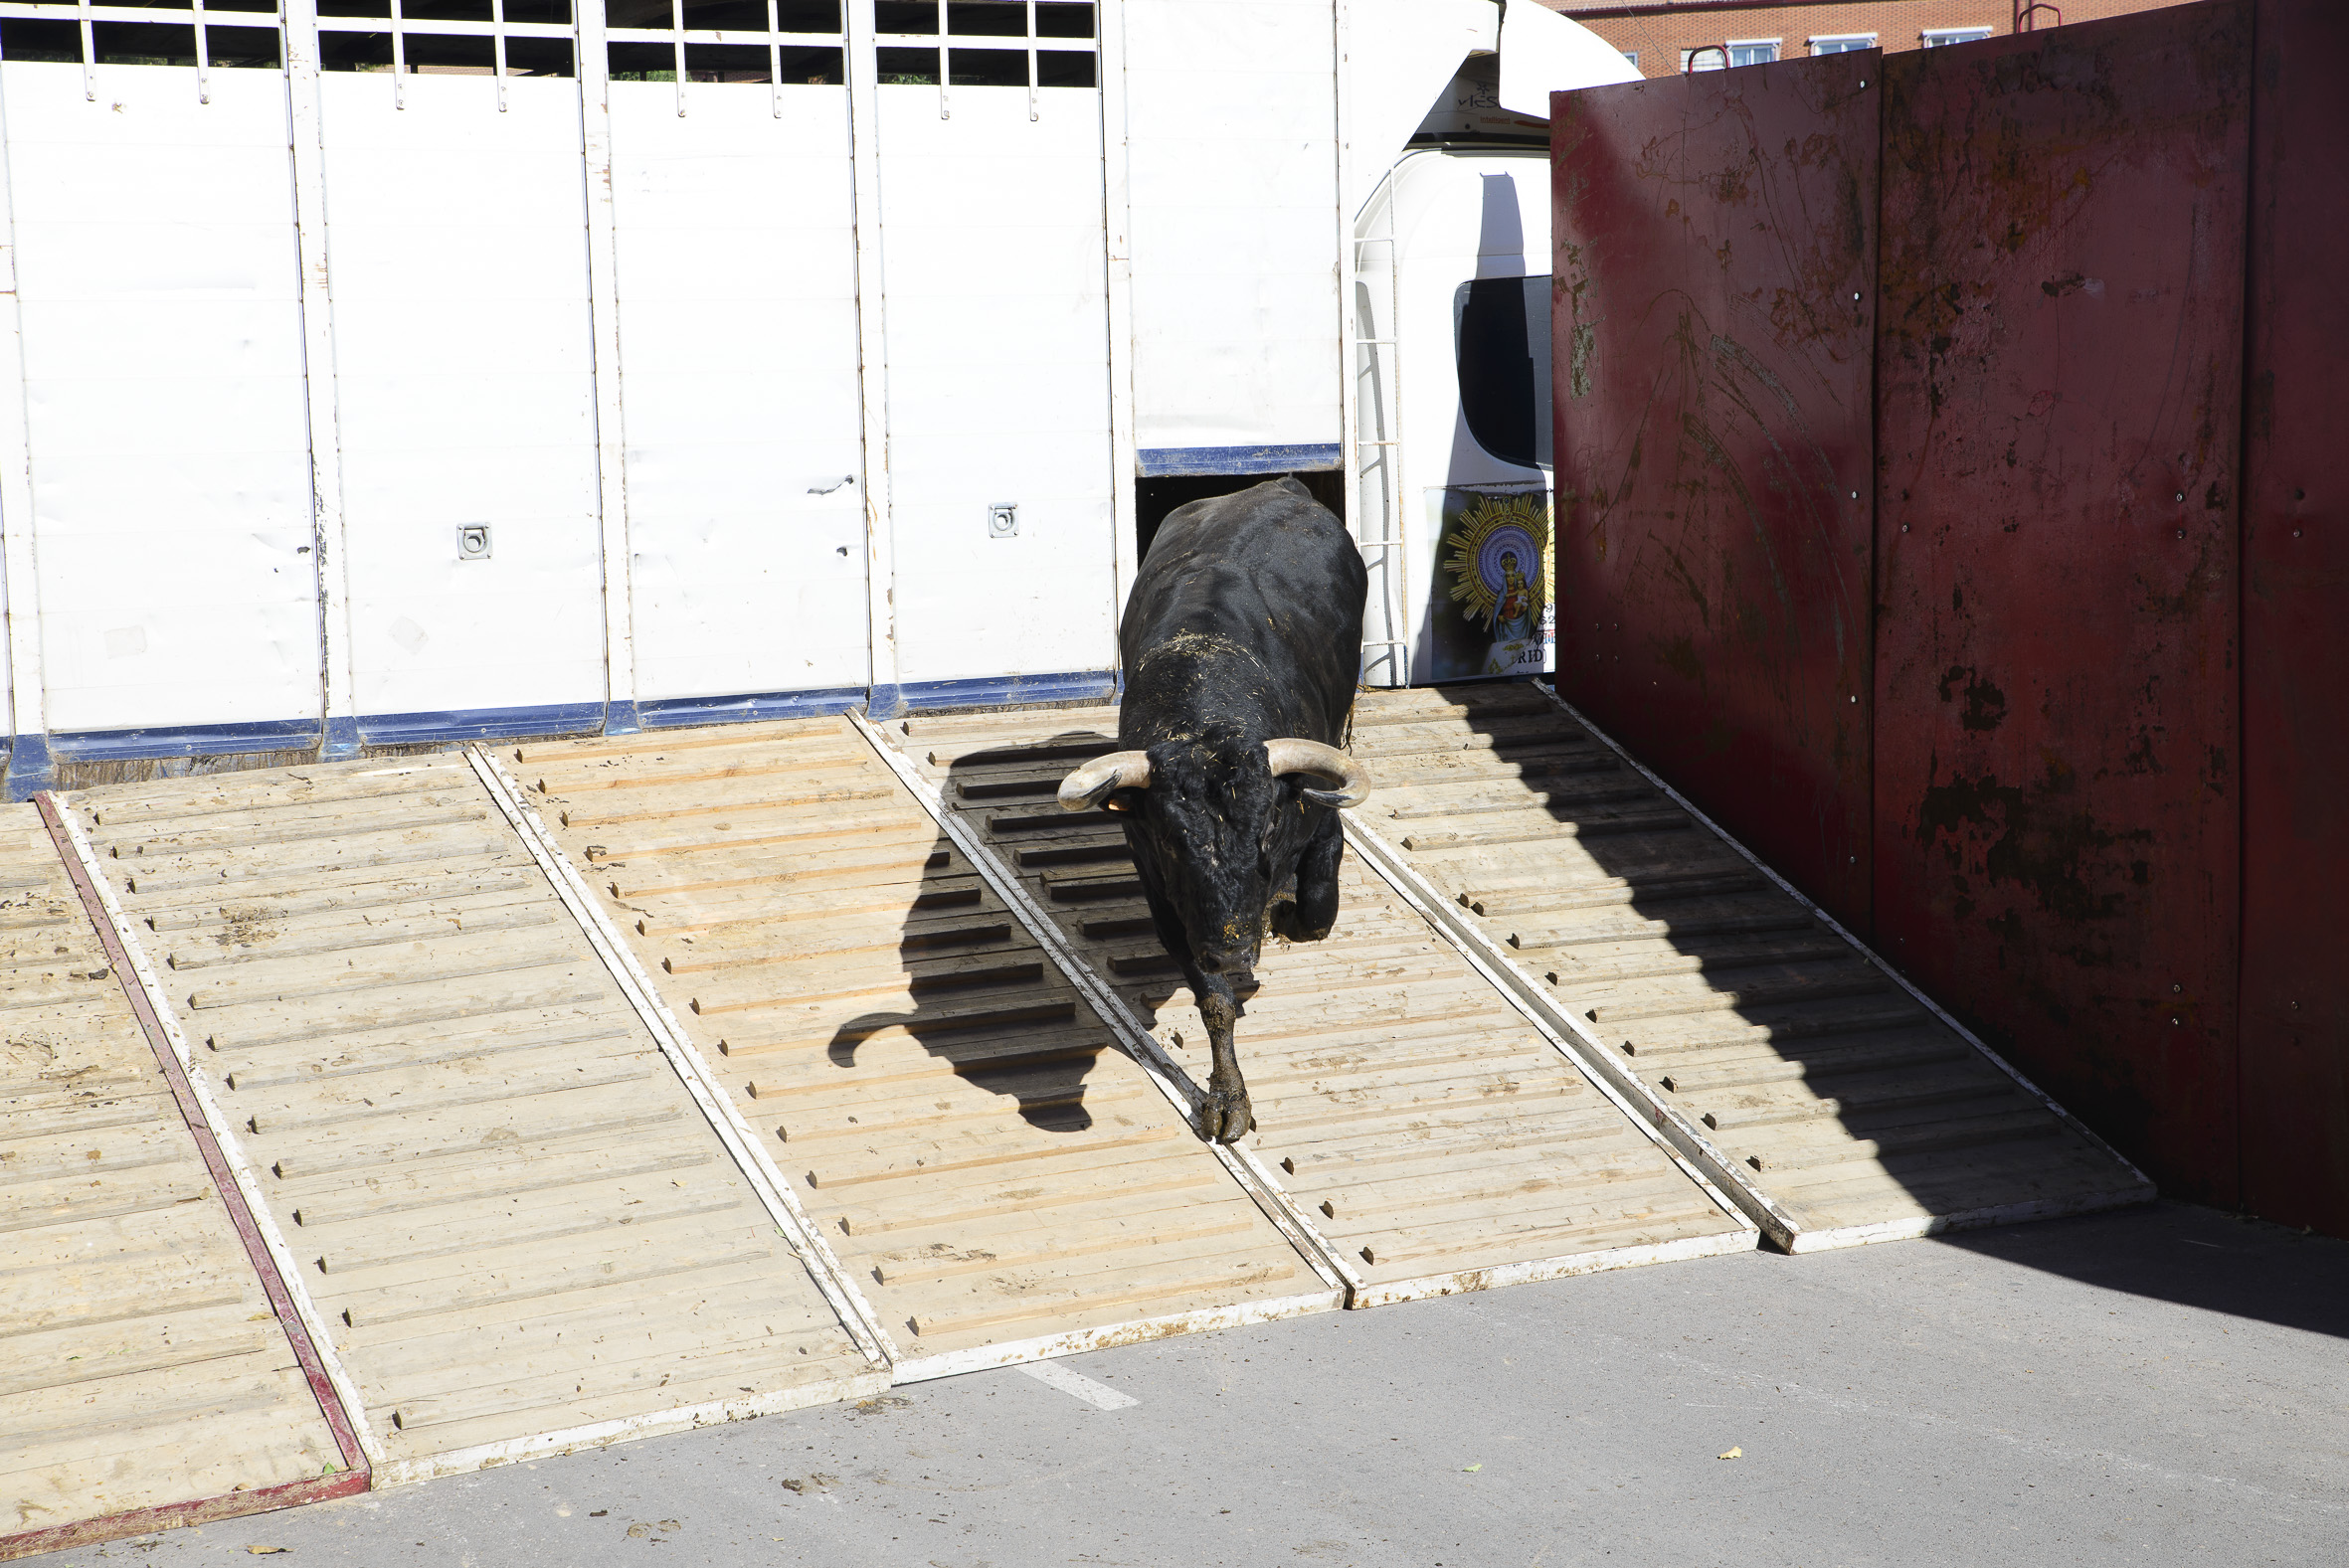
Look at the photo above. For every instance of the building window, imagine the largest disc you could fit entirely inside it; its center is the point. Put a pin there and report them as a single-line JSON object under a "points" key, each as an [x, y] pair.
{"points": [[1936, 36], [1753, 50], [1631, 57], [1843, 42]]}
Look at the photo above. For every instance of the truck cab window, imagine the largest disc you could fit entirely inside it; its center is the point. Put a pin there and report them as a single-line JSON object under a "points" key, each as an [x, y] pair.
{"points": [[1501, 342]]}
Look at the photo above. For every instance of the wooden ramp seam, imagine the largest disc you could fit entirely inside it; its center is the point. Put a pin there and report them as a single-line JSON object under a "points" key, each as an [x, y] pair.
{"points": [[280, 1274], [1161, 1069], [758, 1168], [1781, 1227], [346, 1479], [1360, 1292]]}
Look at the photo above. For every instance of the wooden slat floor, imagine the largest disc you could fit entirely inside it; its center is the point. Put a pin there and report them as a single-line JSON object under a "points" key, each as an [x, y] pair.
{"points": [[1831, 1092], [994, 1174], [519, 1230], [141, 1364], [1416, 1120]]}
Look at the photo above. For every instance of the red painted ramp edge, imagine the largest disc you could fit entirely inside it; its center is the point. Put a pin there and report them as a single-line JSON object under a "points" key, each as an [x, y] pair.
{"points": [[355, 1475]]}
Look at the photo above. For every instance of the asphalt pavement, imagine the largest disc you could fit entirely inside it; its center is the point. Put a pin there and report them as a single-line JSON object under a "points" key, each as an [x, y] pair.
{"points": [[2164, 1386]]}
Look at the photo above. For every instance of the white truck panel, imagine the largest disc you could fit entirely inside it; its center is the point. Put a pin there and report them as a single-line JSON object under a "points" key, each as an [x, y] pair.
{"points": [[464, 382], [163, 376], [1232, 141], [994, 260], [736, 266]]}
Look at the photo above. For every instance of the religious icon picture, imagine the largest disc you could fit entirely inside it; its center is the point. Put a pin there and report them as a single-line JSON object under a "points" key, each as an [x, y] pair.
{"points": [[1493, 613]]}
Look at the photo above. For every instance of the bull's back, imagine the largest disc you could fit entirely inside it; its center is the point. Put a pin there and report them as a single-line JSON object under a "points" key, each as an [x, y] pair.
{"points": [[1270, 569]]}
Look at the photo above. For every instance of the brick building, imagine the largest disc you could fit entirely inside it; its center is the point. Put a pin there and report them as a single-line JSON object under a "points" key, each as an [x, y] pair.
{"points": [[1659, 36]]}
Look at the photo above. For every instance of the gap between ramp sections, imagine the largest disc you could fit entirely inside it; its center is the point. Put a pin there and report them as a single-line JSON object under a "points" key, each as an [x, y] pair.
{"points": [[183, 1411], [1442, 1142], [529, 1237], [1837, 1104], [991, 1174]]}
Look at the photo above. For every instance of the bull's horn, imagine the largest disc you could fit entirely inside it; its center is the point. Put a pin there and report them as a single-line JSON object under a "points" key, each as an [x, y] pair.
{"points": [[1292, 756], [1118, 771]]}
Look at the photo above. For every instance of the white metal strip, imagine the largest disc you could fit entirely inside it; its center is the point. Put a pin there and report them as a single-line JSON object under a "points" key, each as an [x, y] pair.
{"points": [[1679, 1139], [1172, 1082], [861, 67], [1117, 226], [775, 1193], [338, 695], [204, 55], [26, 705], [1605, 1261], [602, 1434], [1836, 925], [980, 1358], [593, 65], [231, 1147]]}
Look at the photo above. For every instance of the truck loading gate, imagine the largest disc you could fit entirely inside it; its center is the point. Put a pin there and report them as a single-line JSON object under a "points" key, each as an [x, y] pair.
{"points": [[582, 1091]]}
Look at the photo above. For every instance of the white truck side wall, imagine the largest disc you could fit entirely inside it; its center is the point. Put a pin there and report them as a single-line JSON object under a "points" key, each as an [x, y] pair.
{"points": [[1232, 119], [163, 376], [994, 260], [465, 387], [735, 231], [669, 403]]}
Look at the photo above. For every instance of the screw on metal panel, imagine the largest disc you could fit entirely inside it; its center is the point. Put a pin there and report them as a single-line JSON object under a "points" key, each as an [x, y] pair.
{"points": [[2296, 533], [1903, 528], [2177, 987], [2180, 495], [2173, 1020], [2181, 533], [473, 541]]}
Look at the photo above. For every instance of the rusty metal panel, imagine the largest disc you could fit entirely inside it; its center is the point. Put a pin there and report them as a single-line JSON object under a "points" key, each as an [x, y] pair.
{"points": [[2056, 701], [2295, 639], [1715, 255]]}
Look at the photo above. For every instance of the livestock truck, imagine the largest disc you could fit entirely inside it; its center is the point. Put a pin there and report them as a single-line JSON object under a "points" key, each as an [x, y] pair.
{"points": [[374, 381]]}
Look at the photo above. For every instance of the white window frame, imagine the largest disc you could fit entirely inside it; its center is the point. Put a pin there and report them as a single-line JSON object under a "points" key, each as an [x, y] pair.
{"points": [[1943, 37], [1845, 42], [1631, 57], [1776, 46]]}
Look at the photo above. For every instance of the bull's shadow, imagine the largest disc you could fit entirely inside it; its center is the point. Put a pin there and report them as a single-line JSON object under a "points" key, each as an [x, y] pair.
{"points": [[980, 993]]}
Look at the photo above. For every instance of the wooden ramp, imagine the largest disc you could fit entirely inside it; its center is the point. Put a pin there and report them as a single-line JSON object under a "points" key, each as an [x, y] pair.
{"points": [[515, 1229], [1838, 1104], [996, 1176], [145, 1380], [1429, 1135]]}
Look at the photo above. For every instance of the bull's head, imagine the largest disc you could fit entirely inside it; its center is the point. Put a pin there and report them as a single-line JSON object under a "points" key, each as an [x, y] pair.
{"points": [[1221, 819]]}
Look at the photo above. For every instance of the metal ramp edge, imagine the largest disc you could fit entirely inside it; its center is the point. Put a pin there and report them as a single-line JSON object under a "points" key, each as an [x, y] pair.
{"points": [[1750, 1194], [382, 1469], [1179, 1085], [353, 1475]]}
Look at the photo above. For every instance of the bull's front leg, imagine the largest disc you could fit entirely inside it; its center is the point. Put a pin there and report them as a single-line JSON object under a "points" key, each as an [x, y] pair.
{"points": [[1225, 1116]]}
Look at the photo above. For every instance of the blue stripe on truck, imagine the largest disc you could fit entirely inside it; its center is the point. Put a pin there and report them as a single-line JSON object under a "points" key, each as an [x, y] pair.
{"points": [[1159, 462]]}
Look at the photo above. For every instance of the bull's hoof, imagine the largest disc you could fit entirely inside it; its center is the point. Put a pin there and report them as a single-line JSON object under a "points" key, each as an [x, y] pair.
{"points": [[1290, 926], [1226, 1117]]}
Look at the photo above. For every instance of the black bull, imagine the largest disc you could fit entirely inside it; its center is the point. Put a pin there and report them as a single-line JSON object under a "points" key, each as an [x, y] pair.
{"points": [[1241, 643]]}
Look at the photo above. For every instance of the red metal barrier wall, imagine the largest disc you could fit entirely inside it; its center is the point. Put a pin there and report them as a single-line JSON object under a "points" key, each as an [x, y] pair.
{"points": [[2295, 626], [2058, 384], [1715, 240]]}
